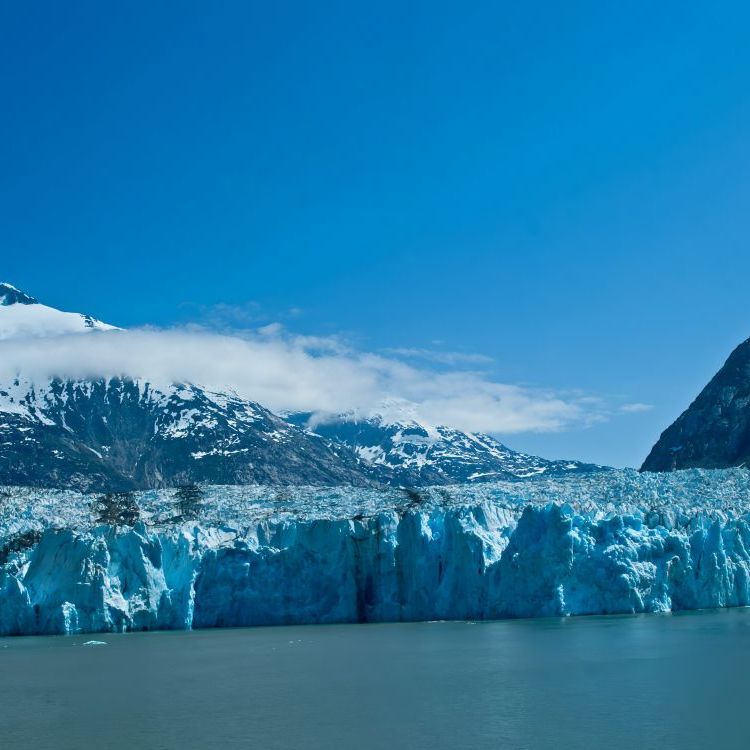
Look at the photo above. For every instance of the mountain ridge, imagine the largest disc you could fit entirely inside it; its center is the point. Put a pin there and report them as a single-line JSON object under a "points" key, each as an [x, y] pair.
{"points": [[419, 453]]}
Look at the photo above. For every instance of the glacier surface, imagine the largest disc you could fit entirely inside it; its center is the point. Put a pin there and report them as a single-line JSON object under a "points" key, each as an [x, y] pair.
{"points": [[614, 542]]}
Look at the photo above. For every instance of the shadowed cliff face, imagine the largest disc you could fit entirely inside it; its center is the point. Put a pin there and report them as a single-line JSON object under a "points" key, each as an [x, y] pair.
{"points": [[714, 432]]}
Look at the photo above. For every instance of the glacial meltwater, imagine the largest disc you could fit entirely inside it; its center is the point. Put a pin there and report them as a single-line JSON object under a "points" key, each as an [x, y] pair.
{"points": [[633, 681]]}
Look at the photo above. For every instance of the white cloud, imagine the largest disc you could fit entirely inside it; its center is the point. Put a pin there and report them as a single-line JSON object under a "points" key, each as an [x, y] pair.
{"points": [[223, 316], [306, 373], [440, 357], [635, 408]]}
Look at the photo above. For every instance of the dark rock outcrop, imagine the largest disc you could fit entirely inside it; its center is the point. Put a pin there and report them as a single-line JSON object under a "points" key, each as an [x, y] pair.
{"points": [[714, 431]]}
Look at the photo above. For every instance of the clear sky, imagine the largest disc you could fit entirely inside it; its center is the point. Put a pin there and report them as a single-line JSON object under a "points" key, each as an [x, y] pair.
{"points": [[561, 187]]}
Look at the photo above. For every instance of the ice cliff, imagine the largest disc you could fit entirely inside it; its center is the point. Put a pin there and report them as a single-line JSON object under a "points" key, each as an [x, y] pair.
{"points": [[611, 543]]}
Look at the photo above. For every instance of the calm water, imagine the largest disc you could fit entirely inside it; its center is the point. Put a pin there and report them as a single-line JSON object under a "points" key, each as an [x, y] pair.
{"points": [[680, 681]]}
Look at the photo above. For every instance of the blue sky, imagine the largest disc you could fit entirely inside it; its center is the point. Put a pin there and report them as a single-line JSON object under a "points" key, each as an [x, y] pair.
{"points": [[562, 190]]}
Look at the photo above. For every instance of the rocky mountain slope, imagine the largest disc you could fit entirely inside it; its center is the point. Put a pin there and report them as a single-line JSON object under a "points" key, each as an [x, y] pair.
{"points": [[714, 431], [412, 453], [121, 434]]}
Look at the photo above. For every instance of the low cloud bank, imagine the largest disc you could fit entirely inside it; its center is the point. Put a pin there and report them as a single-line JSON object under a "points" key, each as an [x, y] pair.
{"points": [[301, 373]]}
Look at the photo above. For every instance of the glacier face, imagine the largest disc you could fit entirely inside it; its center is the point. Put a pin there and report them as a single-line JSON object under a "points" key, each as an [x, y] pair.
{"points": [[615, 542]]}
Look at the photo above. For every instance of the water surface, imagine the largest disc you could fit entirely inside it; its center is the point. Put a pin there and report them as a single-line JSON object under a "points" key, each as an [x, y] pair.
{"points": [[653, 681]]}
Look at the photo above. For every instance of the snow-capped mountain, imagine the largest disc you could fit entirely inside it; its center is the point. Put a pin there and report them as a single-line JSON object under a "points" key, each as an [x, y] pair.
{"points": [[121, 433], [22, 316], [410, 452]]}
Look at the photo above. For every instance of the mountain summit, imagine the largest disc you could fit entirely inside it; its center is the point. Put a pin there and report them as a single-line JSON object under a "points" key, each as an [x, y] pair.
{"points": [[9, 295], [714, 431], [23, 316]]}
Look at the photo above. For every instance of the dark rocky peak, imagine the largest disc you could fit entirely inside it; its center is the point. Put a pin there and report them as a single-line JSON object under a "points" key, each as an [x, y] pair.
{"points": [[9, 295]]}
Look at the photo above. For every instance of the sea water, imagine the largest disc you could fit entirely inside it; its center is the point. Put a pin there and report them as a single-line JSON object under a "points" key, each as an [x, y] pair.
{"points": [[648, 681]]}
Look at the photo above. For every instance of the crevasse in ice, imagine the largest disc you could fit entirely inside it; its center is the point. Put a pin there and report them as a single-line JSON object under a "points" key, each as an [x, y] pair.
{"points": [[614, 542]]}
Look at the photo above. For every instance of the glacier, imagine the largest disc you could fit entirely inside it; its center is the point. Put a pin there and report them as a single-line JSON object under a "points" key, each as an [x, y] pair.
{"points": [[602, 543]]}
